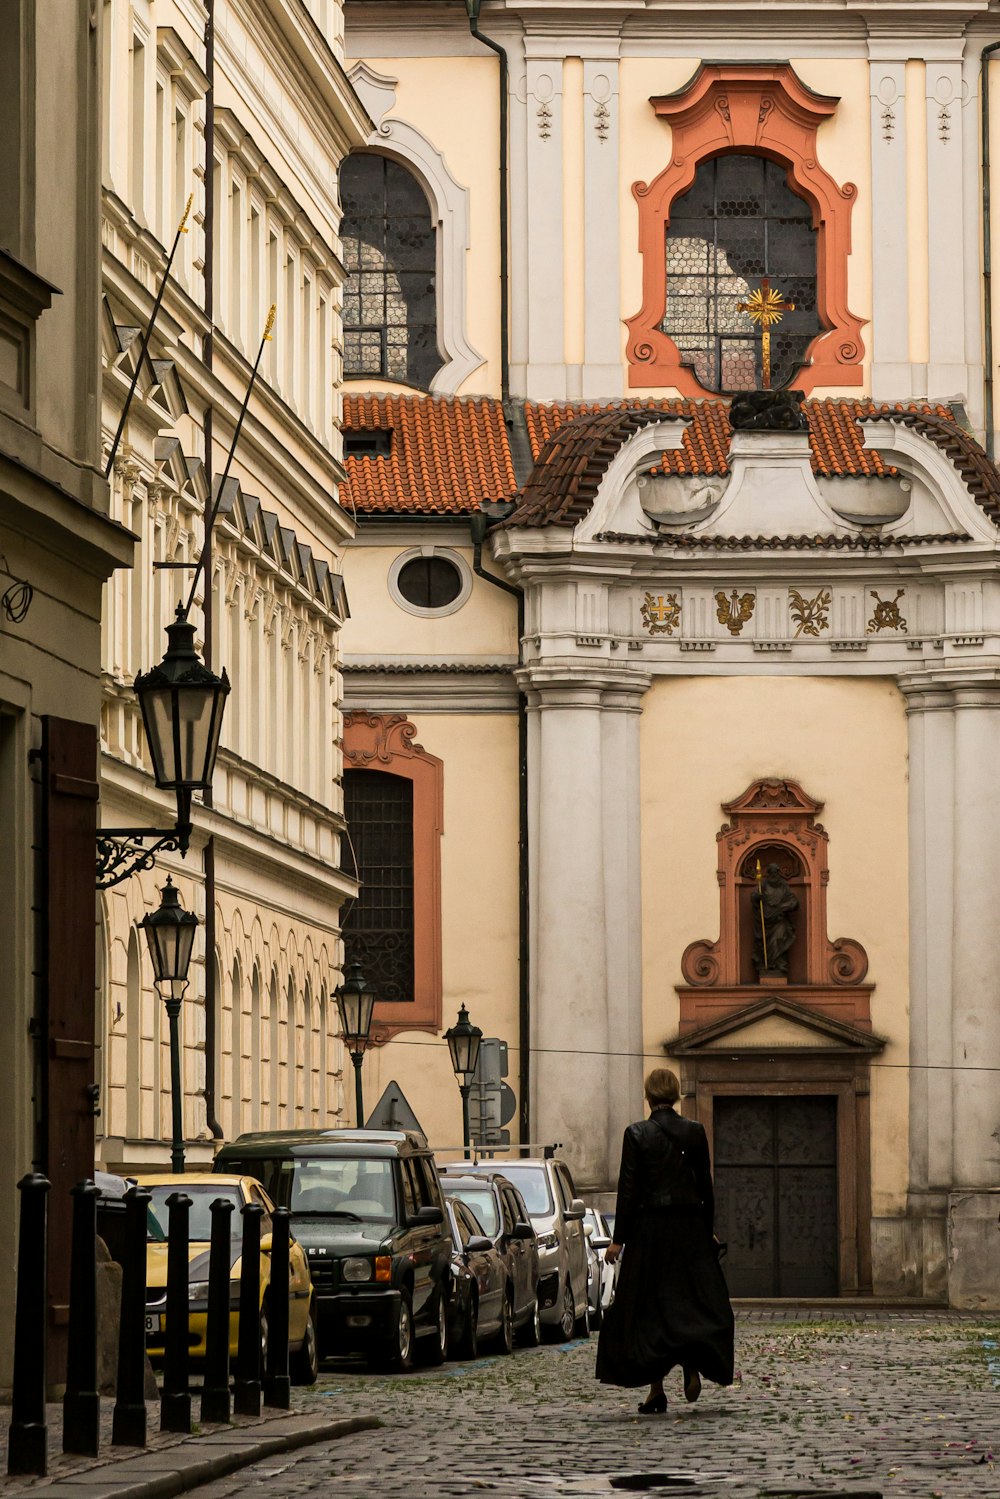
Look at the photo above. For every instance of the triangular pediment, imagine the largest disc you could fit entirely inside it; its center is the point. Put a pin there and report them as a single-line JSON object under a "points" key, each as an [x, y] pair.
{"points": [[775, 1024]]}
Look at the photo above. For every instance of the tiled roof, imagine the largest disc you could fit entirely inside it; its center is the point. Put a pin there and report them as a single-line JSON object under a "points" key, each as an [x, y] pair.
{"points": [[450, 454], [446, 455], [687, 541]]}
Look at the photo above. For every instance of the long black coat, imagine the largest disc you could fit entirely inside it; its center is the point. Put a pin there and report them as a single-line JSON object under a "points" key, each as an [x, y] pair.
{"points": [[672, 1305]]}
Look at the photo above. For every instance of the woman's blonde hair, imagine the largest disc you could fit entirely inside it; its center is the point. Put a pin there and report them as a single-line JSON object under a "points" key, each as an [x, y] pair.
{"points": [[662, 1088]]}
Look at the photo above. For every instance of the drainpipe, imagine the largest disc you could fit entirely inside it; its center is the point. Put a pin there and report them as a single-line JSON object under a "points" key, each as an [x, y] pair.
{"points": [[473, 7], [479, 524], [208, 865], [984, 96]]}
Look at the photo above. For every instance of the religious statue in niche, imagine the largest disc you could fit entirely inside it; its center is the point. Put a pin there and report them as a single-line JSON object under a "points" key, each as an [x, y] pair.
{"points": [[773, 904]]}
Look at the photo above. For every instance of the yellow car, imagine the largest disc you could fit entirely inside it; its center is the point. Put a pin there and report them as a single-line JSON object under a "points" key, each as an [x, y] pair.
{"points": [[203, 1188]]}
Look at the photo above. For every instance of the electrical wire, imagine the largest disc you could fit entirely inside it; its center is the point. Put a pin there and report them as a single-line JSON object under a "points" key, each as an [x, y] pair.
{"points": [[15, 601]]}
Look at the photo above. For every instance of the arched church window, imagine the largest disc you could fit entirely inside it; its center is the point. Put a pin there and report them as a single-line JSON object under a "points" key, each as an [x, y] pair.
{"points": [[741, 247], [390, 317]]}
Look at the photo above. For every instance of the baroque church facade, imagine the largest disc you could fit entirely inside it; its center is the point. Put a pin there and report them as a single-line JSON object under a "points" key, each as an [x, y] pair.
{"points": [[631, 645]]}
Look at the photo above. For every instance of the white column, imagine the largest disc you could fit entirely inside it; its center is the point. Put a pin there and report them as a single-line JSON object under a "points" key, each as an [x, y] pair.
{"points": [[602, 368], [891, 376], [569, 1024], [947, 373], [545, 377], [622, 910], [930, 724], [976, 956]]}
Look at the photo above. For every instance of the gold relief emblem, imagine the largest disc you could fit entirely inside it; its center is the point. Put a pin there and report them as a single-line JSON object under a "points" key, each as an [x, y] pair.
{"points": [[661, 616], [886, 615], [735, 611], [810, 615]]}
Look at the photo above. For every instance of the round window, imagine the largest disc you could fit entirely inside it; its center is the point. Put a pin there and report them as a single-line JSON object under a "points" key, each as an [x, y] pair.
{"points": [[429, 582]]}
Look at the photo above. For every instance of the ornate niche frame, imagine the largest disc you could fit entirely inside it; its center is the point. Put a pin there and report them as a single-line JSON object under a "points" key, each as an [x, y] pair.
{"points": [[386, 742], [767, 111], [771, 817]]}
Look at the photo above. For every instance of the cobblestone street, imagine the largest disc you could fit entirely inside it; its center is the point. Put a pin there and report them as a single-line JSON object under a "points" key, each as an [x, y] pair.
{"points": [[863, 1405]]}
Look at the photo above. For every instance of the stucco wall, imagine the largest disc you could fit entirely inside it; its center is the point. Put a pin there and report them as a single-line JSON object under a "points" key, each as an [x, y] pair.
{"points": [[479, 915], [484, 626], [702, 742]]}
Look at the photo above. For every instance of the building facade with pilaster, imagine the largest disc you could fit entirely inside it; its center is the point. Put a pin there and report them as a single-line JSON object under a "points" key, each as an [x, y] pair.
{"points": [[233, 118], [750, 627]]}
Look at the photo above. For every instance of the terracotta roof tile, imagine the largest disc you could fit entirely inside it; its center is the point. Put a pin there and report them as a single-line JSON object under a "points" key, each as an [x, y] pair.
{"points": [[446, 455]]}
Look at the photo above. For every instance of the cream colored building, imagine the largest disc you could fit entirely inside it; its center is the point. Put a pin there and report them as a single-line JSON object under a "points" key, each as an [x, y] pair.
{"points": [[735, 641], [247, 108]]}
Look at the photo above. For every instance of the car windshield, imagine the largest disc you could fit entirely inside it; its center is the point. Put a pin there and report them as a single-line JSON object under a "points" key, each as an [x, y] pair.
{"points": [[202, 1196], [343, 1187], [480, 1200], [533, 1184]]}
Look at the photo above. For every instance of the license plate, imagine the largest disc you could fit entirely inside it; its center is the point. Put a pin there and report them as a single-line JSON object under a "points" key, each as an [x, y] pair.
{"points": [[359, 1321], [152, 1324]]}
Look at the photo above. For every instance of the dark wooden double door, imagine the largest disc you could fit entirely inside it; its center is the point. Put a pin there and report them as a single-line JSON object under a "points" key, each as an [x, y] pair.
{"points": [[775, 1161]]}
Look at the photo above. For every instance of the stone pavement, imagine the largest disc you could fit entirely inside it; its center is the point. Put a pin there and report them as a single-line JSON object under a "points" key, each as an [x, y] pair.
{"points": [[859, 1403]]}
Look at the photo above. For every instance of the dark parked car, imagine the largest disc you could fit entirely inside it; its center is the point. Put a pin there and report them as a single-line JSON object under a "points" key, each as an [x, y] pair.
{"points": [[499, 1207], [366, 1206], [478, 1284]]}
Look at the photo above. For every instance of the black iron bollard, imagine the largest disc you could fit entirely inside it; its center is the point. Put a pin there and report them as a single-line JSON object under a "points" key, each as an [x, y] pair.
{"points": [[27, 1447], [128, 1426], [246, 1386], [175, 1400], [82, 1400], [215, 1388], [277, 1385]]}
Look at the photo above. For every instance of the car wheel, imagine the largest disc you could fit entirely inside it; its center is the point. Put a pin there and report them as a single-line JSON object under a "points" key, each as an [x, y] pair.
{"points": [[505, 1337], [433, 1350], [468, 1343], [397, 1352], [562, 1331], [303, 1366], [531, 1330], [582, 1324]]}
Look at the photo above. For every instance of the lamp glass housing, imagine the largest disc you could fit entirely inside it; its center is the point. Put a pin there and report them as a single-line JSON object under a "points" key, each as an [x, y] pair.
{"points": [[182, 704], [356, 1004], [170, 933], [463, 1040]]}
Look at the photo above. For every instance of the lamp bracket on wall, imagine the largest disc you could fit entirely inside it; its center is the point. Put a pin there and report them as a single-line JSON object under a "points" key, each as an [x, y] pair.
{"points": [[121, 852]]}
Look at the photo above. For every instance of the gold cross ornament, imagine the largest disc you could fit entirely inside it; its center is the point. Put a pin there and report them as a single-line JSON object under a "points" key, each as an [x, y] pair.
{"points": [[765, 306]]}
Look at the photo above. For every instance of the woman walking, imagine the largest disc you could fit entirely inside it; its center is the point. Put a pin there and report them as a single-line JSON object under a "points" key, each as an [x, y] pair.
{"points": [[672, 1305]]}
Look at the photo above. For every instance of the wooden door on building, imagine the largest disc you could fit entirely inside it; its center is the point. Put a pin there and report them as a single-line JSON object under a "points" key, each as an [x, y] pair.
{"points": [[776, 1194]]}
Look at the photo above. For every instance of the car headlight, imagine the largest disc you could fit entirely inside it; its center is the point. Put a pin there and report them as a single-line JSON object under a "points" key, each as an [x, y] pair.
{"points": [[355, 1270], [548, 1241], [198, 1290]]}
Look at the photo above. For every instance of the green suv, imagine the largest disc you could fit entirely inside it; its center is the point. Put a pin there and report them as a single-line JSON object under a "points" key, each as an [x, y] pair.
{"points": [[366, 1206]]}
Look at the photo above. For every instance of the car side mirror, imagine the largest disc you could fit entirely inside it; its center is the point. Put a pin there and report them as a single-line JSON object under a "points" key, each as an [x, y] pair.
{"points": [[600, 1243], [478, 1244], [576, 1210], [522, 1231], [425, 1217], [588, 1229]]}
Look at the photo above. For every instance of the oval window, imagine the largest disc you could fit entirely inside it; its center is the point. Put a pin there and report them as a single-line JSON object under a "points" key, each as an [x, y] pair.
{"points": [[429, 582]]}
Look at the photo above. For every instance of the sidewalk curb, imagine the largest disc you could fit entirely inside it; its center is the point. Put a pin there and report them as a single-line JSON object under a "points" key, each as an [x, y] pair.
{"points": [[185, 1466]]}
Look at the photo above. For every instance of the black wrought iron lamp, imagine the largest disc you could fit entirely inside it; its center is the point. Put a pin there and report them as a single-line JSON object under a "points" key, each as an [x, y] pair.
{"points": [[463, 1040], [356, 1004], [170, 933], [182, 702]]}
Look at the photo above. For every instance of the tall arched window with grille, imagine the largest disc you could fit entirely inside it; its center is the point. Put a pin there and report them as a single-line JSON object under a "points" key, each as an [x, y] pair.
{"points": [[378, 932], [390, 299], [738, 231]]}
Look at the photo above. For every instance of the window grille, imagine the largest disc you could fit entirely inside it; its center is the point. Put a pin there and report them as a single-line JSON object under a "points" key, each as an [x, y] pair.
{"points": [[390, 313], [738, 223], [378, 932]]}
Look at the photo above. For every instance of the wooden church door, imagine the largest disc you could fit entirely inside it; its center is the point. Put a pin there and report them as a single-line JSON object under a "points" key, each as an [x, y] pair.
{"points": [[776, 1194]]}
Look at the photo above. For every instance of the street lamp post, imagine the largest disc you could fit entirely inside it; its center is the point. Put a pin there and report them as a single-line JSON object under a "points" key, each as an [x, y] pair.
{"points": [[356, 1003], [463, 1041], [170, 934]]}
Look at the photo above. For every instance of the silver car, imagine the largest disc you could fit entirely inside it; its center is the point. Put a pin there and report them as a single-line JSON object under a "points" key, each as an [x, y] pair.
{"points": [[556, 1215], [603, 1277]]}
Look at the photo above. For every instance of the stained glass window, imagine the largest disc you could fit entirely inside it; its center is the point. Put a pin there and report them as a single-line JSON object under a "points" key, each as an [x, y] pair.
{"points": [[390, 314], [378, 932], [738, 223]]}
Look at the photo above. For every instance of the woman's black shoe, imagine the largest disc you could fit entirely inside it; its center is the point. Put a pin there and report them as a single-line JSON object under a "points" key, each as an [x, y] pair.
{"points": [[655, 1406], [692, 1384]]}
